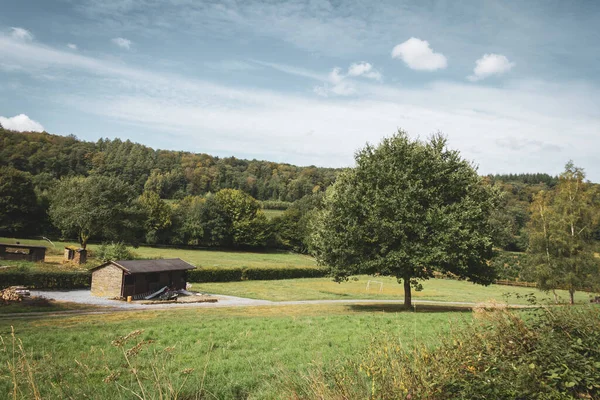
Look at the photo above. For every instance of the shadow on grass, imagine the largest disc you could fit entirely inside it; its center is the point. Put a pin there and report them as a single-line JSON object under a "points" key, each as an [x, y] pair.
{"points": [[420, 308]]}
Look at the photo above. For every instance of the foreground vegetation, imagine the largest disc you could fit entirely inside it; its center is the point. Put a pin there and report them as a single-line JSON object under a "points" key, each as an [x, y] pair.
{"points": [[305, 352], [218, 353], [552, 354]]}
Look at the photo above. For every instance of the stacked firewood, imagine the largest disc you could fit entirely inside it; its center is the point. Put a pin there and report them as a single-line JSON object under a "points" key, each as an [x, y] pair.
{"points": [[13, 293]]}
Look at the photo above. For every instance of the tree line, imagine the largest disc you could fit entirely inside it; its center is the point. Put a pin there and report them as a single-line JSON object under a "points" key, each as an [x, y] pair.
{"points": [[172, 174], [409, 208]]}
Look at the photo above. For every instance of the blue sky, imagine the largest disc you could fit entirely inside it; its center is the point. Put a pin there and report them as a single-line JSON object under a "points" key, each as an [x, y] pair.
{"points": [[513, 84]]}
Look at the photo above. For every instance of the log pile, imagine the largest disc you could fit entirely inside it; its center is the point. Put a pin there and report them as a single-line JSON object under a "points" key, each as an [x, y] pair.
{"points": [[13, 294]]}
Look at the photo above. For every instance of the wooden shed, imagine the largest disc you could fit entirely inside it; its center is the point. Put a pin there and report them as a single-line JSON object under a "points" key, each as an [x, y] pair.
{"points": [[133, 277], [22, 252]]}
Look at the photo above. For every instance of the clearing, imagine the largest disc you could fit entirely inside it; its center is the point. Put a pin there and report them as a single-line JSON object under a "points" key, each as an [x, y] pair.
{"points": [[199, 258]]}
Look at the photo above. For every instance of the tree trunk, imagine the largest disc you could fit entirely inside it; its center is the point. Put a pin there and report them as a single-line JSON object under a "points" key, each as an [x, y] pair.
{"points": [[407, 293], [555, 296], [571, 296], [83, 239]]}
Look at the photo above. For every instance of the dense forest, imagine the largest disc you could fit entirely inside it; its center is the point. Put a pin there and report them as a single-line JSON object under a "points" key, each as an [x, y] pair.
{"points": [[174, 174], [119, 190]]}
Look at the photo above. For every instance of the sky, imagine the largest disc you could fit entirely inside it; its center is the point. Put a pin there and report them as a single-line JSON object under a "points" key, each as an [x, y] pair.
{"points": [[512, 84]]}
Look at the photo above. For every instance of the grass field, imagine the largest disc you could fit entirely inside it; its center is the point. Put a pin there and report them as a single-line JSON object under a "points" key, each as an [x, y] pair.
{"points": [[230, 353], [200, 258], [273, 213], [324, 288]]}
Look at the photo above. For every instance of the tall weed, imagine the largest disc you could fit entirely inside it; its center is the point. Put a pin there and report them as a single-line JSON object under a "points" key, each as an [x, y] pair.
{"points": [[552, 353]]}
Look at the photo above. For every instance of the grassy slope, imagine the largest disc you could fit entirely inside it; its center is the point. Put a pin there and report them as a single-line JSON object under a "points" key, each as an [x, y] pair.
{"points": [[254, 350], [273, 213], [324, 288], [201, 258]]}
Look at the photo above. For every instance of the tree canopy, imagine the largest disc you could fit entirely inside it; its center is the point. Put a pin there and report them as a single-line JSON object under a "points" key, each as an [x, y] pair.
{"points": [[407, 209], [561, 233], [95, 206], [17, 201]]}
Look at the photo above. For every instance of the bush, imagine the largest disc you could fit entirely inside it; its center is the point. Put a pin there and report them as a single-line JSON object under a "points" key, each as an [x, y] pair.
{"points": [[252, 274], [215, 275], [266, 274], [46, 280], [509, 265], [114, 251], [552, 354]]}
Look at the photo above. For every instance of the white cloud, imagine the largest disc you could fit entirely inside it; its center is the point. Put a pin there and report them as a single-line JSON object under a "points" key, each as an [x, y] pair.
{"points": [[21, 34], [342, 84], [417, 54], [21, 123], [272, 124], [122, 42], [335, 76], [364, 69], [490, 64], [72, 46]]}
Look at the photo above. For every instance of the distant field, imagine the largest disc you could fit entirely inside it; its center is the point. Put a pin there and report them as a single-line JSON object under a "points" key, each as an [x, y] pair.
{"points": [[239, 353], [200, 258], [273, 213], [324, 288]]}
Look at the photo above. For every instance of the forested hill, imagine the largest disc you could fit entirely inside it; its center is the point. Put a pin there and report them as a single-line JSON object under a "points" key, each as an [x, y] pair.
{"points": [[174, 174]]}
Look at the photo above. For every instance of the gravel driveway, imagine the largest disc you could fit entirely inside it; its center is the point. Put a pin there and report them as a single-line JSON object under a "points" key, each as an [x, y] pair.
{"points": [[85, 297]]}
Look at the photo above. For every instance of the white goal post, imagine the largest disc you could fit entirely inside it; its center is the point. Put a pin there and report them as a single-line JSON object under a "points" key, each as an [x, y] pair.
{"points": [[369, 283]]}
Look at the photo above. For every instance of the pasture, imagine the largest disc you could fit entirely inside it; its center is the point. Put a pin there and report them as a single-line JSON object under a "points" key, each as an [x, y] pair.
{"points": [[200, 258], [444, 290], [219, 353]]}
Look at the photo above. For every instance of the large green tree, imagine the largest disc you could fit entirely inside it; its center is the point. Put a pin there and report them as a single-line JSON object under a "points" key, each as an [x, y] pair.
{"points": [[158, 215], [561, 234], [18, 204], [99, 206], [248, 224], [407, 209]]}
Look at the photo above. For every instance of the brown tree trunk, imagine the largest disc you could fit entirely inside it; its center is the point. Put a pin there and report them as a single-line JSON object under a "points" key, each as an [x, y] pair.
{"points": [[407, 293], [83, 239], [571, 296]]}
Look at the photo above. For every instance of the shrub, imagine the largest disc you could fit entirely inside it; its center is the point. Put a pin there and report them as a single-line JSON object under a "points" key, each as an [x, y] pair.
{"points": [[46, 280], [215, 275], [252, 274], [550, 355], [265, 274], [114, 251], [509, 265]]}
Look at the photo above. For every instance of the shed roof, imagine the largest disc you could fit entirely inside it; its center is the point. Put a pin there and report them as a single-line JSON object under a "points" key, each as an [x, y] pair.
{"points": [[147, 266], [22, 246]]}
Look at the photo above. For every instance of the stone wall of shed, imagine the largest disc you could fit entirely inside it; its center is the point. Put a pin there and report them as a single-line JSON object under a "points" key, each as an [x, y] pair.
{"points": [[106, 282]]}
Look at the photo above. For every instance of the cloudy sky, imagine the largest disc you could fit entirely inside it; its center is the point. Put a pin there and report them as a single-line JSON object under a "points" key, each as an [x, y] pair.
{"points": [[513, 84]]}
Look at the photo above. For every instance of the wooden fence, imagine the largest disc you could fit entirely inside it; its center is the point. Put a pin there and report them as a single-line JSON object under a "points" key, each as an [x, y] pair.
{"points": [[515, 283]]}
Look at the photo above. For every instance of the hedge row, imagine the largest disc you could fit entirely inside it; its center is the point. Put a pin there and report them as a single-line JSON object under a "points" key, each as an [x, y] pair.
{"points": [[79, 280], [46, 280], [215, 275], [252, 274]]}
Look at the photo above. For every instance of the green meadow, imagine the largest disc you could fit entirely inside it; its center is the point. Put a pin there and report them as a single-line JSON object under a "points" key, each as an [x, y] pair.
{"points": [[443, 290], [200, 258], [235, 353]]}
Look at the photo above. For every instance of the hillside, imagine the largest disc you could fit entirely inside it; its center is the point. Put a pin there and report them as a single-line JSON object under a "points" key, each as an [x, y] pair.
{"points": [[174, 173]]}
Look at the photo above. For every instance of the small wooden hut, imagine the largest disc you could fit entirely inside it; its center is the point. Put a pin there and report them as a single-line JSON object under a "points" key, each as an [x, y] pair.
{"points": [[132, 277], [22, 252]]}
